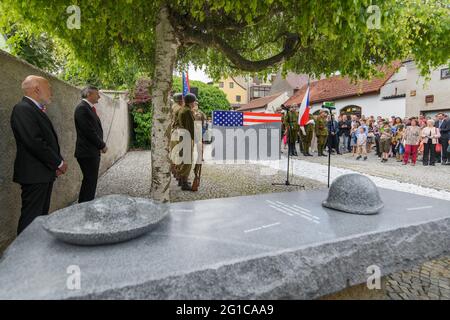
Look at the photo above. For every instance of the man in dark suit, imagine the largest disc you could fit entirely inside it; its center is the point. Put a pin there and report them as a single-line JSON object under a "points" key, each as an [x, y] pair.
{"points": [[89, 142], [444, 128], [333, 134], [38, 160]]}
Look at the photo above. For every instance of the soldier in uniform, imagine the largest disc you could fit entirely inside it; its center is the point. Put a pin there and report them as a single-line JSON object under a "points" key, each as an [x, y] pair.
{"points": [[176, 107], [306, 135], [321, 133], [292, 127], [186, 122], [200, 129]]}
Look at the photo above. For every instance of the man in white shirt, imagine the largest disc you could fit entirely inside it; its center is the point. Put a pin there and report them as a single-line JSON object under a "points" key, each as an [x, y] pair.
{"points": [[38, 160]]}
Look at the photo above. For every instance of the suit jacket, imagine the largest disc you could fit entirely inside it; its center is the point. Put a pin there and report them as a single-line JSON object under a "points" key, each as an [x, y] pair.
{"points": [[38, 153], [444, 129], [333, 126], [89, 132]]}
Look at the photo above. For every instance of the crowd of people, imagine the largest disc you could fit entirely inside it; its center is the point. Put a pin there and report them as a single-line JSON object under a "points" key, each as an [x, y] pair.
{"points": [[394, 138]]}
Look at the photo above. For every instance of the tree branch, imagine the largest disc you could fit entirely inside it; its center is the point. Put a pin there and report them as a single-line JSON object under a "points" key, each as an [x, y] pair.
{"points": [[209, 40]]}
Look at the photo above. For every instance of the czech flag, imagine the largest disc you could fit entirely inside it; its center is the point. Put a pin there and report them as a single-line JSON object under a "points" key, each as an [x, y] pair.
{"points": [[303, 112], [186, 86]]}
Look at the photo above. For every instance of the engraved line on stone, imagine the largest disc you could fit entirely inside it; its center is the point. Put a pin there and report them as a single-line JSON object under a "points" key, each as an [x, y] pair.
{"points": [[296, 211], [281, 210], [419, 208], [262, 227]]}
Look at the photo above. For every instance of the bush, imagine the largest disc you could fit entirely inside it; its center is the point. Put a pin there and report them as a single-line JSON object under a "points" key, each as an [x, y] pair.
{"points": [[142, 127], [141, 111]]}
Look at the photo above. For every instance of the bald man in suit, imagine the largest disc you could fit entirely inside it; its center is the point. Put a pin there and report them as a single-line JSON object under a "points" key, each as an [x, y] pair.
{"points": [[38, 159]]}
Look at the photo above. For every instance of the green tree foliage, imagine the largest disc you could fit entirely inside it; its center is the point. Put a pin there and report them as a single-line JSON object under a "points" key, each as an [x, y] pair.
{"points": [[228, 36], [210, 98], [38, 49]]}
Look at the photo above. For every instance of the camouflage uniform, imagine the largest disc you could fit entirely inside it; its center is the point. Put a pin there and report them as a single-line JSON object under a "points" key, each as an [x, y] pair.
{"points": [[291, 124], [322, 134], [186, 121], [173, 126], [307, 137], [200, 119]]}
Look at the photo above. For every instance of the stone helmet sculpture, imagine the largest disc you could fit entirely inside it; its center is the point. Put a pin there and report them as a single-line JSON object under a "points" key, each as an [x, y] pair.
{"points": [[354, 193]]}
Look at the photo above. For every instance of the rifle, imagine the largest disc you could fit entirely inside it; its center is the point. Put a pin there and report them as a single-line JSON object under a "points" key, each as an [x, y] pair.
{"points": [[198, 174]]}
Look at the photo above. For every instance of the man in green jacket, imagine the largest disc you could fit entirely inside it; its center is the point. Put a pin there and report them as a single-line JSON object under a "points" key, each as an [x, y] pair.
{"points": [[306, 135], [321, 133], [291, 125], [176, 107], [186, 122]]}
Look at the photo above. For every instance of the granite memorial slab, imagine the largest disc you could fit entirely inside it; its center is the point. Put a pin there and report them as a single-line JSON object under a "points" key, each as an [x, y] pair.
{"points": [[106, 220], [271, 246]]}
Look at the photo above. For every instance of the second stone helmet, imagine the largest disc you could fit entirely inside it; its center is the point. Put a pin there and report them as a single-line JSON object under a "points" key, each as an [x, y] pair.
{"points": [[189, 98], [354, 193]]}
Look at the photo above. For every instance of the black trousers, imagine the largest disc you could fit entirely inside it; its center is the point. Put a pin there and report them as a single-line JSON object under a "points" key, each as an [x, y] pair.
{"points": [[35, 203], [443, 154], [429, 156], [333, 142], [89, 167]]}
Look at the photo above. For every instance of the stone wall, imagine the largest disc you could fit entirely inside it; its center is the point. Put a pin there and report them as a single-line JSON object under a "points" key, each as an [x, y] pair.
{"points": [[113, 112]]}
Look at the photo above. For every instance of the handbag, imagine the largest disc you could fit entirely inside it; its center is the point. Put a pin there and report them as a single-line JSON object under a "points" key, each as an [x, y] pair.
{"points": [[438, 147], [420, 150], [285, 139], [448, 149]]}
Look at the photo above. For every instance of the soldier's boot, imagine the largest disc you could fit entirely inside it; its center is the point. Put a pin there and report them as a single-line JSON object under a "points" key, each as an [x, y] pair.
{"points": [[185, 185], [294, 150]]}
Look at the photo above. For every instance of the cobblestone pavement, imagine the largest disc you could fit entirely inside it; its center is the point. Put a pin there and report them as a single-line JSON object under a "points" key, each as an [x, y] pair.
{"points": [[131, 175], [430, 281]]}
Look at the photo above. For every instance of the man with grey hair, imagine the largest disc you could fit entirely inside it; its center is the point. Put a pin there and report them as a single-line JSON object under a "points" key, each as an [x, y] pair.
{"points": [[38, 159], [89, 142]]}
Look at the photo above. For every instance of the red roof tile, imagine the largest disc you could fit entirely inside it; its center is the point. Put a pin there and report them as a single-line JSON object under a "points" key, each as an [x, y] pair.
{"points": [[337, 87], [258, 103]]}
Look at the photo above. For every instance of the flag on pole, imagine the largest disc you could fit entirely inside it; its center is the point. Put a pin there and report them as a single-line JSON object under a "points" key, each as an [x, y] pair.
{"points": [[239, 119], [303, 113], [186, 86]]}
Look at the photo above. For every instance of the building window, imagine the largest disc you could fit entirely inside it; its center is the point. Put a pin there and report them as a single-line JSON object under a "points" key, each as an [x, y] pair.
{"points": [[259, 92], [445, 73], [220, 84], [231, 85], [238, 98]]}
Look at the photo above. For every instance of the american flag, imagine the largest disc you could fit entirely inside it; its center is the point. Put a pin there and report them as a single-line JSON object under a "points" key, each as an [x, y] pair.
{"points": [[186, 86], [238, 119]]}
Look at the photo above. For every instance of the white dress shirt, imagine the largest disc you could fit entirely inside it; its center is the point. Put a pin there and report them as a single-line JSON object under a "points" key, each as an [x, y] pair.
{"points": [[88, 102]]}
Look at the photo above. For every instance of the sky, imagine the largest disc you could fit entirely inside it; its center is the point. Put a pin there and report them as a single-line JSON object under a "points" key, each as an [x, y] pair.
{"points": [[198, 75]]}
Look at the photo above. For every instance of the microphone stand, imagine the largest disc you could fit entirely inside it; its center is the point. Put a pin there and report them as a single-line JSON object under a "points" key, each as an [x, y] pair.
{"points": [[287, 183], [329, 148]]}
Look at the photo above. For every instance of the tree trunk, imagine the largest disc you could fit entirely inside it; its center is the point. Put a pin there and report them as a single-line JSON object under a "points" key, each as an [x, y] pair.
{"points": [[165, 58]]}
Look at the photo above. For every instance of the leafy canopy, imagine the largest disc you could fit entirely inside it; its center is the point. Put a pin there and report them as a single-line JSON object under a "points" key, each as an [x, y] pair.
{"points": [[235, 36]]}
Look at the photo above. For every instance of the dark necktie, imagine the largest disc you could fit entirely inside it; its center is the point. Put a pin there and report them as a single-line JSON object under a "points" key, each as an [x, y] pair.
{"points": [[95, 110]]}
